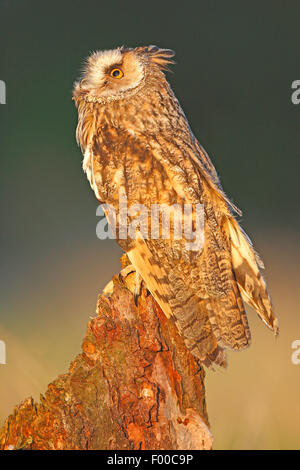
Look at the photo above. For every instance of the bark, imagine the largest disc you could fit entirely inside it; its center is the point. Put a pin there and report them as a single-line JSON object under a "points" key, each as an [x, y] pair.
{"points": [[134, 386]]}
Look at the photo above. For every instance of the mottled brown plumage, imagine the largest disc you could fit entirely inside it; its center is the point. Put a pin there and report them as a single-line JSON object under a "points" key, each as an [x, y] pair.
{"points": [[136, 138]]}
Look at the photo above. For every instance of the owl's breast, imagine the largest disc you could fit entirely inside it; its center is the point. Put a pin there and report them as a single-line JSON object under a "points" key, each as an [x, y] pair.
{"points": [[118, 160]]}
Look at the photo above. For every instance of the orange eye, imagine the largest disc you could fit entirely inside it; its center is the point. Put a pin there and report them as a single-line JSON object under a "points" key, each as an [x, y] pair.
{"points": [[116, 73]]}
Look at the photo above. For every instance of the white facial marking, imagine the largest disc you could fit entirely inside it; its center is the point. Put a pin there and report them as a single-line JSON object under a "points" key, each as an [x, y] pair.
{"points": [[99, 62], [98, 82]]}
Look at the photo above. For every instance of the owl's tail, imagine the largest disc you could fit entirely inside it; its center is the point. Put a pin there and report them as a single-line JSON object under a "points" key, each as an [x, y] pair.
{"points": [[195, 326], [220, 322], [246, 264]]}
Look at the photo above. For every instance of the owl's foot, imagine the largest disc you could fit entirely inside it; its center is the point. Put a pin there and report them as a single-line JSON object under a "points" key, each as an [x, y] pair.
{"points": [[138, 288], [133, 281], [125, 272], [126, 276]]}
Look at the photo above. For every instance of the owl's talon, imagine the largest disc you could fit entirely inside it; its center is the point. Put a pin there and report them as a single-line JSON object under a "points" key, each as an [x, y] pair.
{"points": [[138, 288], [126, 272], [134, 284]]}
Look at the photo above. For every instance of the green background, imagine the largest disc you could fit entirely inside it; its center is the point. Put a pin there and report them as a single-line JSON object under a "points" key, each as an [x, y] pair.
{"points": [[235, 62]]}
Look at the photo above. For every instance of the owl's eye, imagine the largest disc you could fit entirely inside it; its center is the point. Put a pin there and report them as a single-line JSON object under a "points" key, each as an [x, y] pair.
{"points": [[116, 73]]}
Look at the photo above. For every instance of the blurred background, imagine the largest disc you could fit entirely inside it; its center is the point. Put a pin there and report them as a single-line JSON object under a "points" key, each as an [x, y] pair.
{"points": [[235, 65]]}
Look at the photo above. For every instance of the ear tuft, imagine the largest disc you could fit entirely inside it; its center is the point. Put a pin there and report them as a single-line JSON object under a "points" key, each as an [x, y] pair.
{"points": [[161, 57]]}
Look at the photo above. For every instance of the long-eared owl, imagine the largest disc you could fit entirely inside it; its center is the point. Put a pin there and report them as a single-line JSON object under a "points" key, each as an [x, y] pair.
{"points": [[137, 142]]}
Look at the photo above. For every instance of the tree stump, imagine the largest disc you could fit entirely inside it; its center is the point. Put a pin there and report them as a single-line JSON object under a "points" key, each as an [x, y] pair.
{"points": [[134, 386]]}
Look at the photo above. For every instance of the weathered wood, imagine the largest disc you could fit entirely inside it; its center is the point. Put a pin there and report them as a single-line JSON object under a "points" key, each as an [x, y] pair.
{"points": [[134, 386]]}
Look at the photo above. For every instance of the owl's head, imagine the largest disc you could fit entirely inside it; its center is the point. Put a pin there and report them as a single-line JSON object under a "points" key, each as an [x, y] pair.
{"points": [[114, 74]]}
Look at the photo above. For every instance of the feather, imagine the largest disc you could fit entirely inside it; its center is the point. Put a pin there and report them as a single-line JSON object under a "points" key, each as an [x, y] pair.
{"points": [[153, 274], [192, 316], [249, 279], [161, 57]]}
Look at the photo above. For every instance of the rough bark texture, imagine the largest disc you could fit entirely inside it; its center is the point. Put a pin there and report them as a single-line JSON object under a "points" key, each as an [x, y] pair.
{"points": [[134, 386]]}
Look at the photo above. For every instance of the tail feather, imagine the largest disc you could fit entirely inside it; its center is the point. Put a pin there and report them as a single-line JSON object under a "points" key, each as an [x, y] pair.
{"points": [[251, 283], [194, 324]]}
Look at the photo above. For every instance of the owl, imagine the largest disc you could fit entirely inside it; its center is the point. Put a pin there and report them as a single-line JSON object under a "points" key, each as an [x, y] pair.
{"points": [[136, 140]]}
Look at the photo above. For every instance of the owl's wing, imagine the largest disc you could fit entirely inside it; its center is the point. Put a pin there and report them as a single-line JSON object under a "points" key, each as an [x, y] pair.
{"points": [[245, 261], [199, 290], [229, 267], [208, 171], [203, 292], [168, 278]]}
